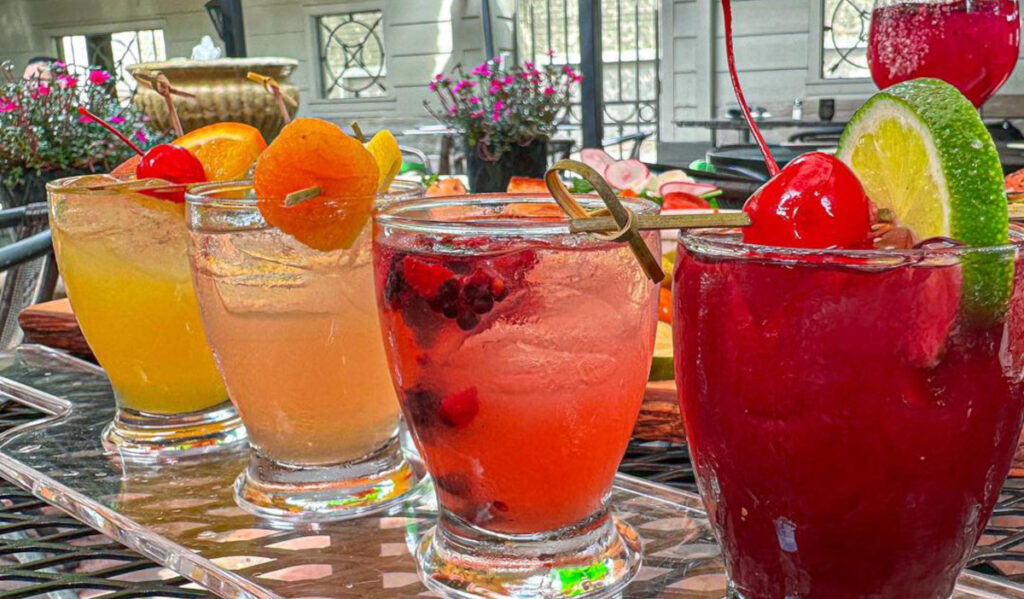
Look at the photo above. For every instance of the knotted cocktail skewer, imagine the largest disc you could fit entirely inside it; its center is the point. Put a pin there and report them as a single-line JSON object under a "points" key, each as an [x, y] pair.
{"points": [[618, 223], [158, 82], [272, 86]]}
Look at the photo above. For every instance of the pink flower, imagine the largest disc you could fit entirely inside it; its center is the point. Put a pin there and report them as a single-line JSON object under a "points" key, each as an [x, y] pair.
{"points": [[577, 78], [529, 65], [568, 70], [438, 77], [549, 91], [85, 119], [66, 81], [60, 65], [509, 80], [452, 110], [551, 53], [481, 71], [42, 90], [499, 106], [98, 77], [495, 88], [141, 137], [7, 105], [474, 100], [464, 84], [432, 86], [497, 60], [476, 114], [116, 119]]}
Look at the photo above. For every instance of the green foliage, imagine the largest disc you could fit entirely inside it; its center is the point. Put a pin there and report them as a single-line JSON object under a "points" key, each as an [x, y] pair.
{"points": [[41, 130]]}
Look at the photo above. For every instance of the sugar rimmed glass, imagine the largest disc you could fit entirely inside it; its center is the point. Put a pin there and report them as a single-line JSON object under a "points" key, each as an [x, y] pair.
{"points": [[851, 415]]}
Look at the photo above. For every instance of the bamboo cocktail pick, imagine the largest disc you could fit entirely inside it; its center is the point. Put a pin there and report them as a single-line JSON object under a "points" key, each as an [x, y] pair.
{"points": [[159, 83], [618, 223], [271, 85]]}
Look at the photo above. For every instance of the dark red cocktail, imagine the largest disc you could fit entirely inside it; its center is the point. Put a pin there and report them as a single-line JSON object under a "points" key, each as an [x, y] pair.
{"points": [[972, 44], [851, 416]]}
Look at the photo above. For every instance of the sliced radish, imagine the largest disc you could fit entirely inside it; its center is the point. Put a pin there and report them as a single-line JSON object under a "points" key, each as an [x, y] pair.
{"points": [[628, 174], [667, 177], [596, 158], [697, 189]]}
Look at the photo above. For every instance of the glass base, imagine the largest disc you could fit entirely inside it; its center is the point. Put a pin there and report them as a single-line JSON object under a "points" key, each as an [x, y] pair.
{"points": [[143, 436], [351, 489], [595, 558]]}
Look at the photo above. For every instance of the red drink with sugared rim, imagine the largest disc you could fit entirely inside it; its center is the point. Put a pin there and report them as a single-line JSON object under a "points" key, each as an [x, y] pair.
{"points": [[850, 416], [520, 354], [972, 44]]}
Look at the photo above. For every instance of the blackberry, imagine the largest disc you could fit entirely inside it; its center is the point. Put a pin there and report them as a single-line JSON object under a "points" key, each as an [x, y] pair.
{"points": [[468, 321], [482, 304], [422, 407]]}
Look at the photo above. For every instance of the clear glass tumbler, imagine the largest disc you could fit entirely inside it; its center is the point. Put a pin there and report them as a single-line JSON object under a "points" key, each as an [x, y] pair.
{"points": [[123, 259], [296, 337], [851, 415], [520, 353]]}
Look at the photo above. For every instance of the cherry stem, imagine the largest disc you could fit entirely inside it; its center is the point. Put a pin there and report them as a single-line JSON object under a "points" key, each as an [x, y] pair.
{"points": [[85, 112], [769, 160]]}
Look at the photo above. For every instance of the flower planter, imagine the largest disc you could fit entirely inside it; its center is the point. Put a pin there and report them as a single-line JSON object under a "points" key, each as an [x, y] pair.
{"points": [[490, 176]]}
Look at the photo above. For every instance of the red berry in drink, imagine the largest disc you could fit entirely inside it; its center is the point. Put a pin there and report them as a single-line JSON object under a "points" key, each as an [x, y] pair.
{"points": [[458, 410], [424, 276], [815, 202]]}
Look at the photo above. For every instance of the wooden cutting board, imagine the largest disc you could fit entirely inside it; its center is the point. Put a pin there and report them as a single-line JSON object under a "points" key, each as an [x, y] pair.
{"points": [[53, 324]]}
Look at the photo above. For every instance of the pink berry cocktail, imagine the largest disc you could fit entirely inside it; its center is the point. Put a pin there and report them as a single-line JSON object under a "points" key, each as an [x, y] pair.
{"points": [[972, 44], [851, 416], [520, 354]]}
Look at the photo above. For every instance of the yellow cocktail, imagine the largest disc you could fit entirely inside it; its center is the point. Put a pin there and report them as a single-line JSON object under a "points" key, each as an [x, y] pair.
{"points": [[124, 261]]}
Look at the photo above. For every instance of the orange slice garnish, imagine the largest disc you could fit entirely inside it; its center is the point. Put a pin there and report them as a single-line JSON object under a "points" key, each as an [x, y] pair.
{"points": [[227, 150], [314, 153]]}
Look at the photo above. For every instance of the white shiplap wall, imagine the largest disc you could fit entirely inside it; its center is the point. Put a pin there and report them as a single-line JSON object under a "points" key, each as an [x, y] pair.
{"points": [[775, 41]]}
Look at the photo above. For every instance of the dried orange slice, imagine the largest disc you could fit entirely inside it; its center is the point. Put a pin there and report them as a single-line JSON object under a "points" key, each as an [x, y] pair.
{"points": [[227, 150], [314, 153], [388, 155]]}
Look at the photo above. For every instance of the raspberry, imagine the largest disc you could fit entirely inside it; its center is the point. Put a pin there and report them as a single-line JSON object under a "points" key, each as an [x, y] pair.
{"points": [[425, 277], [458, 410]]}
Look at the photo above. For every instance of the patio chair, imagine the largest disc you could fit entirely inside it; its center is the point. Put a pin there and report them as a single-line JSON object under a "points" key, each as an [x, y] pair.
{"points": [[420, 157], [28, 266], [638, 138]]}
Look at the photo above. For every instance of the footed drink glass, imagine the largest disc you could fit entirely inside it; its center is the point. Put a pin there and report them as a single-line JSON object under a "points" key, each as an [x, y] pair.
{"points": [[123, 259], [520, 353], [972, 44], [296, 336], [851, 415]]}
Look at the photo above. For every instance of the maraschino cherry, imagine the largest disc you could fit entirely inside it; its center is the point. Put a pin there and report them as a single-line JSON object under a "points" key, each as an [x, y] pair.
{"points": [[171, 163], [815, 202]]}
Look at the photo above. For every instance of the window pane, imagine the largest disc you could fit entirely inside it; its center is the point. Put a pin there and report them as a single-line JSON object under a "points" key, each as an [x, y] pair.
{"points": [[352, 55], [118, 48], [845, 39]]}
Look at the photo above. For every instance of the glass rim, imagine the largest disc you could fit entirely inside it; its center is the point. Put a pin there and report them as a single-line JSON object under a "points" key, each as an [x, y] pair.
{"points": [[199, 194], [727, 243], [394, 215]]}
